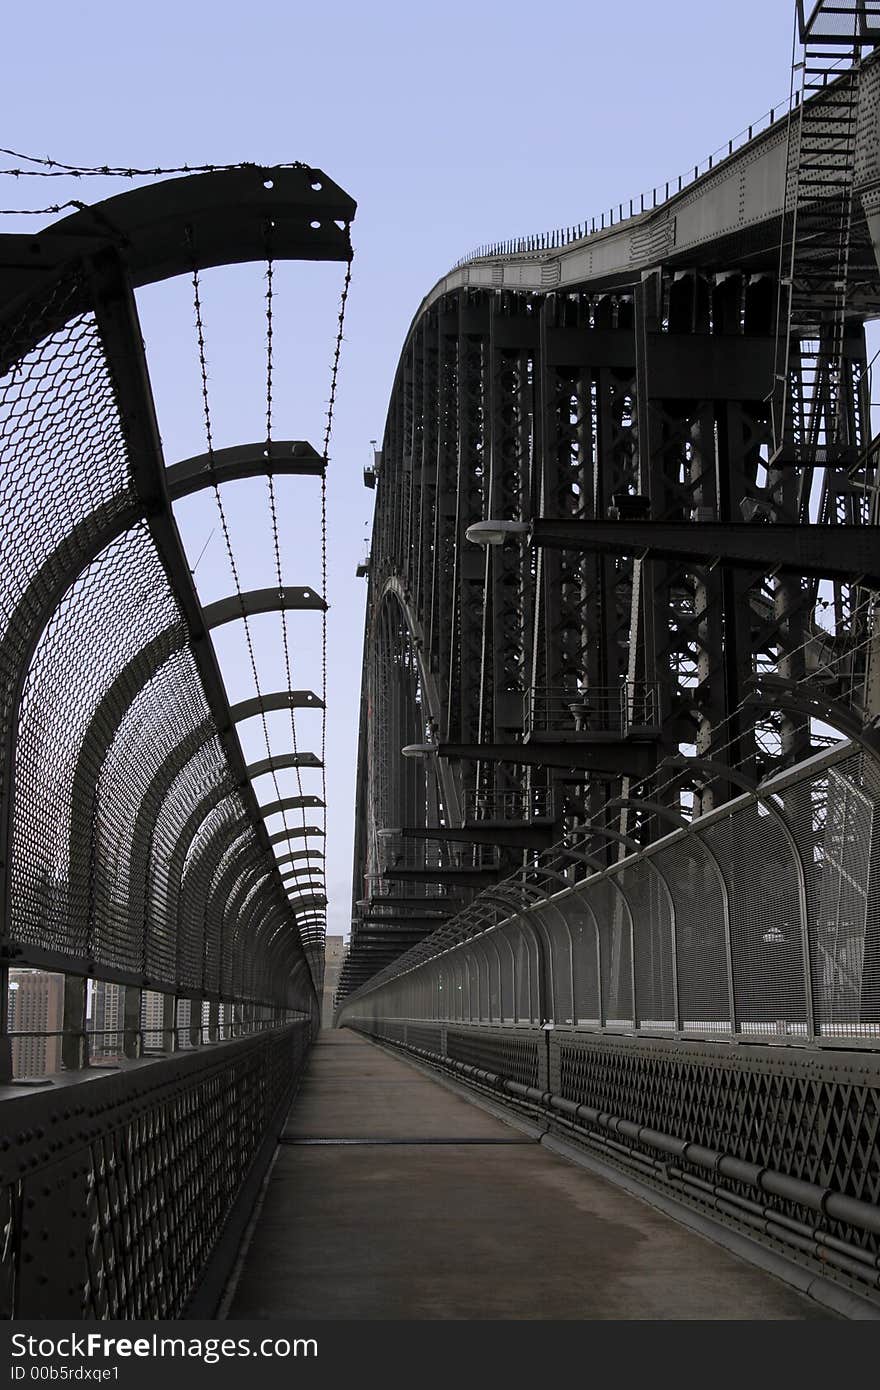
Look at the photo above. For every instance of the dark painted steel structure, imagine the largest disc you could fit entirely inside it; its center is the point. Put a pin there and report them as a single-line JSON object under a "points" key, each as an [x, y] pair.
{"points": [[618, 838], [133, 848], [621, 685], [669, 418]]}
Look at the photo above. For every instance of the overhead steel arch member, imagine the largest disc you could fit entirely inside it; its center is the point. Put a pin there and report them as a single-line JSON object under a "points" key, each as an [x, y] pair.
{"points": [[298, 855], [272, 700], [307, 901], [277, 762], [302, 832], [289, 803], [245, 605], [296, 875], [277, 456], [168, 228]]}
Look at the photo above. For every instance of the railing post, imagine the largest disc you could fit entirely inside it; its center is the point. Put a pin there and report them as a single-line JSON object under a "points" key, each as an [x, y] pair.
{"points": [[167, 1036], [5, 1040], [74, 1043], [131, 1021], [214, 1021], [195, 1022]]}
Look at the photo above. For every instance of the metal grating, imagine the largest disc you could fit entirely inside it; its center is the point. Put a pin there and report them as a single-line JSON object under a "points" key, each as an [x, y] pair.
{"points": [[516, 1057]]}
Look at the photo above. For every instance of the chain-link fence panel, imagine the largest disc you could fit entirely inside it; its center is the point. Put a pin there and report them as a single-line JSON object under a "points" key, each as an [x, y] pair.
{"points": [[767, 919], [612, 915], [71, 700], [64, 475], [702, 931]]}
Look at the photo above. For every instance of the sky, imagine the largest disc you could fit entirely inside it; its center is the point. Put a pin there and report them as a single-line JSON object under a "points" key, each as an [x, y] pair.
{"points": [[450, 125]]}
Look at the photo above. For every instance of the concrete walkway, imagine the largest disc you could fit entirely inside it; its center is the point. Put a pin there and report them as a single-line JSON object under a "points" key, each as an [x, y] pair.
{"points": [[391, 1198]]}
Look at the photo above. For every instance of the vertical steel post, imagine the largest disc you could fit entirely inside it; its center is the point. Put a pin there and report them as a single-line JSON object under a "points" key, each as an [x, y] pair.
{"points": [[74, 1043]]}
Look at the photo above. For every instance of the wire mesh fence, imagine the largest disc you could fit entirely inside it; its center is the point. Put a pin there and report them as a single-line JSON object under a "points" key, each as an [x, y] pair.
{"points": [[758, 919]]}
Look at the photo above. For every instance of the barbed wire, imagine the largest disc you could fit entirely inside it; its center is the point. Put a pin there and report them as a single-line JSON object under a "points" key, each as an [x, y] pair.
{"points": [[49, 168], [42, 212], [328, 431], [273, 513], [224, 524]]}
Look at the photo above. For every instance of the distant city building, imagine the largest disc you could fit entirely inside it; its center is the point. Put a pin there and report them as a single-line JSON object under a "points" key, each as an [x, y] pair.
{"points": [[153, 1019], [336, 948], [36, 1006], [105, 1021]]}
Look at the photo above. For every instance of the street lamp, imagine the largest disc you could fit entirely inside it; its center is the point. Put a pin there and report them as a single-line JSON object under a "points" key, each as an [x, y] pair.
{"points": [[495, 532]]}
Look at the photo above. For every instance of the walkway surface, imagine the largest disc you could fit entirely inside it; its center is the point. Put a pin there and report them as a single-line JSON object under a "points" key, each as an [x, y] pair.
{"points": [[391, 1197]]}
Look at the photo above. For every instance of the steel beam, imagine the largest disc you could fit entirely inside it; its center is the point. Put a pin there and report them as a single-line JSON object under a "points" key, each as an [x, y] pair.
{"points": [[306, 854], [272, 700], [289, 803], [613, 758], [278, 456], [279, 761], [298, 833], [168, 228], [245, 605], [472, 878], [850, 552], [492, 833]]}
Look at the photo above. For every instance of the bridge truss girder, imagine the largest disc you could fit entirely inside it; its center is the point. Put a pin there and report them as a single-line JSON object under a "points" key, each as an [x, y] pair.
{"points": [[632, 406]]}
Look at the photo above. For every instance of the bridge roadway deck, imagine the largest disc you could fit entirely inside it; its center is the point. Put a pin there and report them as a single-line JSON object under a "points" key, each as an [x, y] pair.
{"points": [[436, 1209]]}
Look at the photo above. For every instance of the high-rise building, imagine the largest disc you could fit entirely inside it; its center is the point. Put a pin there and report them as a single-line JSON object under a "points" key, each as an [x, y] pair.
{"points": [[36, 1008], [105, 1021], [335, 949], [153, 1019]]}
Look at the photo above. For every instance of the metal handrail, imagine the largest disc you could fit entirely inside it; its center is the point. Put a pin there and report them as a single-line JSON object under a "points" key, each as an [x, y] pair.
{"points": [[617, 709], [653, 198]]}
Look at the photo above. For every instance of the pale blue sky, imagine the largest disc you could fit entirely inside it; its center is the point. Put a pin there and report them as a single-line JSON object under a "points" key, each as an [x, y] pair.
{"points": [[450, 125]]}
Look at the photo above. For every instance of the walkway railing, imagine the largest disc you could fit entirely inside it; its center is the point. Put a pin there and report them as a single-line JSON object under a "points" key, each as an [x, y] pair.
{"points": [[621, 710], [758, 920], [536, 803], [777, 1143], [117, 1190], [654, 197]]}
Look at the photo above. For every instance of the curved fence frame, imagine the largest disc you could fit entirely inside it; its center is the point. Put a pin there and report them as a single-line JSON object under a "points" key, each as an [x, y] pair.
{"points": [[690, 935]]}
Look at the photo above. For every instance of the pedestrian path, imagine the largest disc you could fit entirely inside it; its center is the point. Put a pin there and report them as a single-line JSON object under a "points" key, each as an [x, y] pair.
{"points": [[393, 1197]]}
